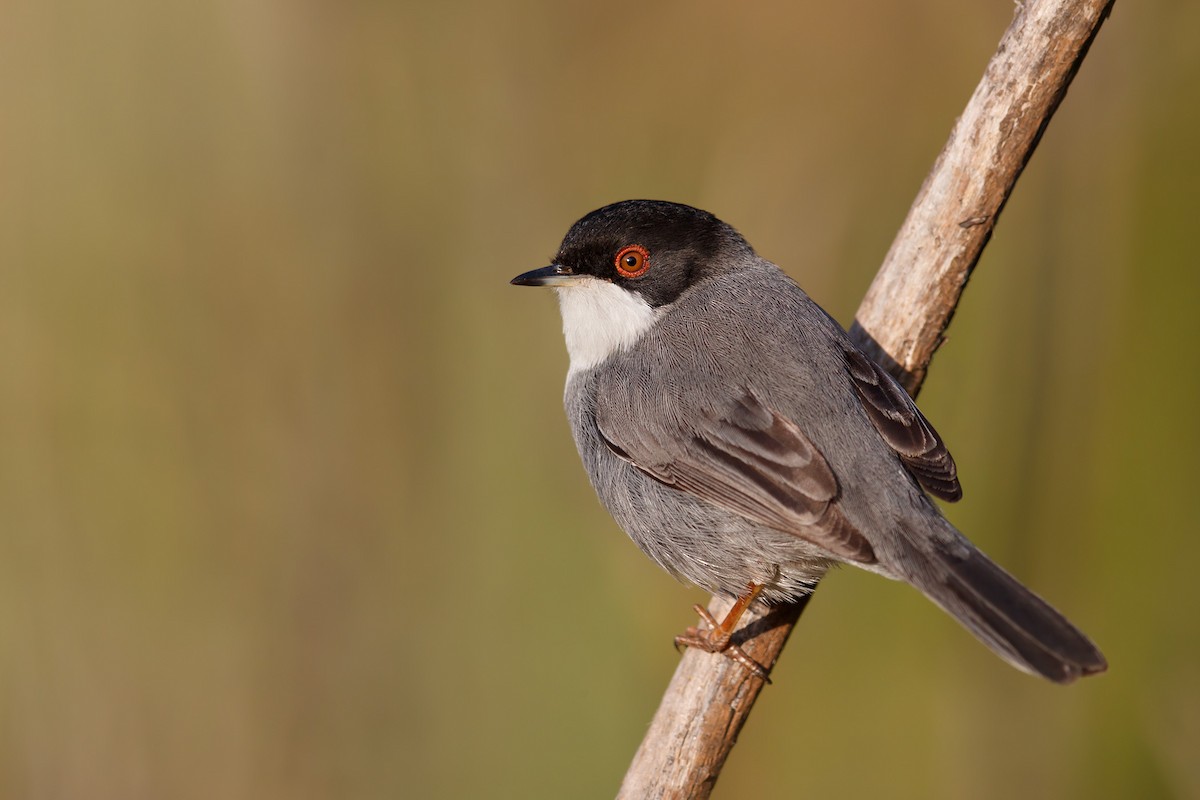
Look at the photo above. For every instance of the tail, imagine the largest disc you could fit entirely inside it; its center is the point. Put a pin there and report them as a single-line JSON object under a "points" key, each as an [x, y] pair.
{"points": [[1016, 624]]}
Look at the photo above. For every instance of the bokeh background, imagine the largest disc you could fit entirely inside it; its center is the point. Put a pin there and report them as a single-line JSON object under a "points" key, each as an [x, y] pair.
{"points": [[288, 505]]}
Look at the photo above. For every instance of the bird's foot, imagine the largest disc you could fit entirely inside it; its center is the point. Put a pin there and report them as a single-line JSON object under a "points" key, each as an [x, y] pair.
{"points": [[717, 637]]}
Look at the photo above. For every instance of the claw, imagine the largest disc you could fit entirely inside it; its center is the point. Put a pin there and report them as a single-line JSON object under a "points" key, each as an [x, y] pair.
{"points": [[717, 637]]}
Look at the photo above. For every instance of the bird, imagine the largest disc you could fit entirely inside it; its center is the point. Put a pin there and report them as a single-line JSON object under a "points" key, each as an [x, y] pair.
{"points": [[744, 443]]}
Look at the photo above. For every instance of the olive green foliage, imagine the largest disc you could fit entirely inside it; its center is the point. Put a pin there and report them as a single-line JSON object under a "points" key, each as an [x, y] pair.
{"points": [[288, 505]]}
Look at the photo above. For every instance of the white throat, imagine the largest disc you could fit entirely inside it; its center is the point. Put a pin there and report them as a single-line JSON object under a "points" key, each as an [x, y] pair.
{"points": [[599, 319]]}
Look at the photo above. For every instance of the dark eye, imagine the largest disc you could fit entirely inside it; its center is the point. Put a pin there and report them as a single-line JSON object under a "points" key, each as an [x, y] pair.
{"points": [[633, 261]]}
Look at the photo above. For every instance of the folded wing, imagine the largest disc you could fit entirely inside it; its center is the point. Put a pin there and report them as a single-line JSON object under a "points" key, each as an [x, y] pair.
{"points": [[749, 459]]}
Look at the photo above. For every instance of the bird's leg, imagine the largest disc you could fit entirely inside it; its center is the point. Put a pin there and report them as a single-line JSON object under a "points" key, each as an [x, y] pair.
{"points": [[717, 637]]}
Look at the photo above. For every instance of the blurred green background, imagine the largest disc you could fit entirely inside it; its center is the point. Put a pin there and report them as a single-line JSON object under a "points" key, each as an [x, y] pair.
{"points": [[288, 504]]}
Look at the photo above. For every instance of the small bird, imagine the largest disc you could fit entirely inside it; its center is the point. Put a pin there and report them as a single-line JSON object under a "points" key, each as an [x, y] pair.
{"points": [[744, 443]]}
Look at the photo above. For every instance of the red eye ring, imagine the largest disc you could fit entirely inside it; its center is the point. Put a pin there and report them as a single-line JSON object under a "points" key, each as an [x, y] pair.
{"points": [[632, 261]]}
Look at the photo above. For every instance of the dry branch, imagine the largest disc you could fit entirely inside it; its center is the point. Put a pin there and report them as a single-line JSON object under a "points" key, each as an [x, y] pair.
{"points": [[900, 323]]}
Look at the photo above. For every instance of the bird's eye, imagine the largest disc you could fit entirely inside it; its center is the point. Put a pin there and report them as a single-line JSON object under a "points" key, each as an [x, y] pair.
{"points": [[633, 261]]}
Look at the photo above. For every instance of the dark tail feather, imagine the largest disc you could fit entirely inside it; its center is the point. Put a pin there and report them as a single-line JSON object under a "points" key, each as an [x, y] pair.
{"points": [[1015, 623]]}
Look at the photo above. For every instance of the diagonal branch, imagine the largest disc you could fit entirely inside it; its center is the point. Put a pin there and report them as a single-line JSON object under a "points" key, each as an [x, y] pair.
{"points": [[900, 323]]}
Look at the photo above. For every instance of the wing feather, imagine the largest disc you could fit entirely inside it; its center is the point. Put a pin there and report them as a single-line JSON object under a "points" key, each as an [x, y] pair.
{"points": [[751, 460], [904, 428]]}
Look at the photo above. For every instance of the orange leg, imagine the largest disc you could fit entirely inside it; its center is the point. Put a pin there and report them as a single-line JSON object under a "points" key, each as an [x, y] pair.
{"points": [[717, 637]]}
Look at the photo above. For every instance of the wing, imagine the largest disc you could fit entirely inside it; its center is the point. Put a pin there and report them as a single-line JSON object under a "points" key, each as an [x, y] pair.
{"points": [[748, 459], [904, 428]]}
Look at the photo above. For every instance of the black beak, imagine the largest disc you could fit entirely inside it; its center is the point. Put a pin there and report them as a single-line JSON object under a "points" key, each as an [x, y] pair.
{"points": [[553, 275]]}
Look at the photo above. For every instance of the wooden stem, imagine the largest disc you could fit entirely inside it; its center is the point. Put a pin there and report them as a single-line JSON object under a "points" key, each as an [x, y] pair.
{"points": [[900, 323]]}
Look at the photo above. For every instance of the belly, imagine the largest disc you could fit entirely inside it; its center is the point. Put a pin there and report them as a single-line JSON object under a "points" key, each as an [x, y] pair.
{"points": [[703, 544]]}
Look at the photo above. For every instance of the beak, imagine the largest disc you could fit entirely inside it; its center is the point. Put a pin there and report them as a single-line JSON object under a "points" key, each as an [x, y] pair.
{"points": [[553, 275]]}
